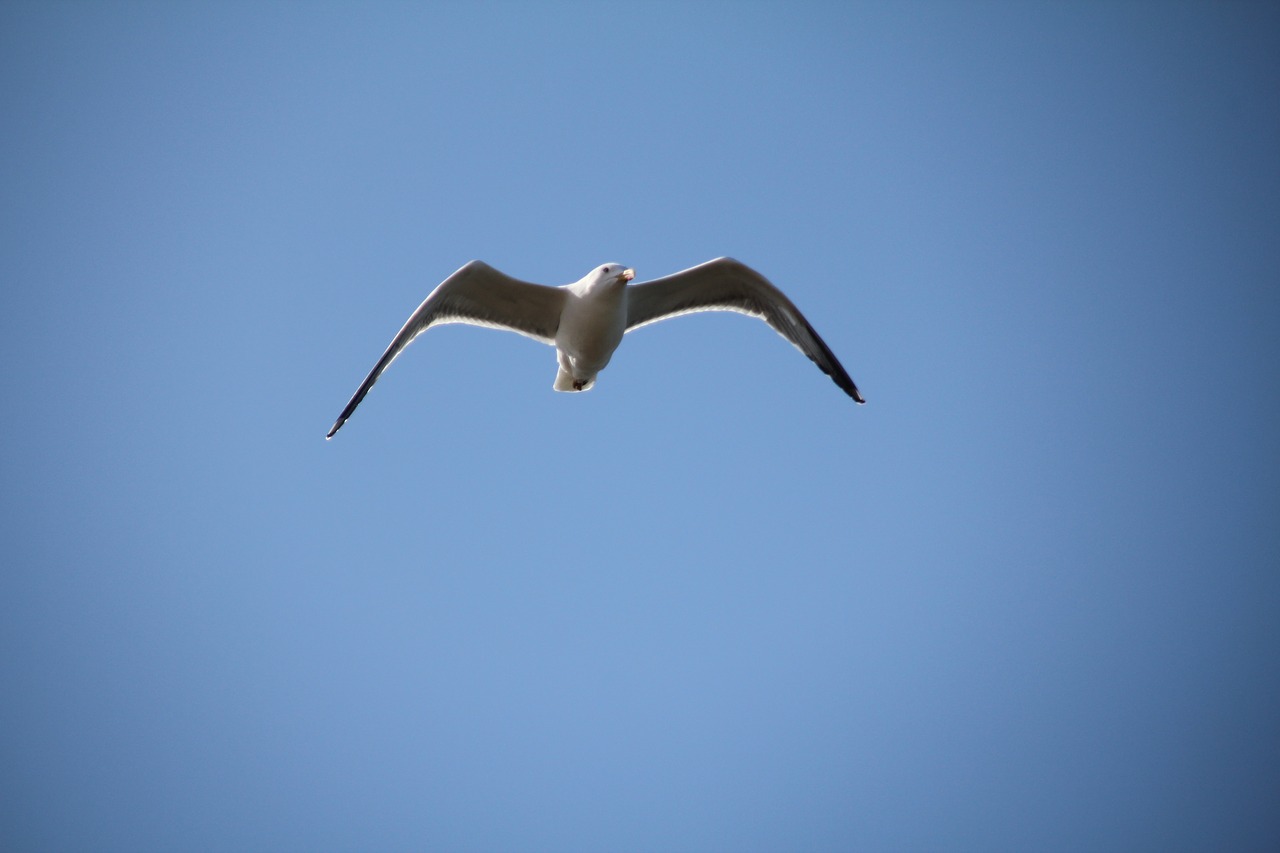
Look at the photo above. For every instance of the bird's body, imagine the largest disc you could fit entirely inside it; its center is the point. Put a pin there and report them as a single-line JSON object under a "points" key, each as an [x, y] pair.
{"points": [[592, 323], [586, 321]]}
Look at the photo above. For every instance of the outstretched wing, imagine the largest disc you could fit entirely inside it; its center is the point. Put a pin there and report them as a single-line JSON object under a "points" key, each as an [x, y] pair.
{"points": [[478, 295], [727, 285]]}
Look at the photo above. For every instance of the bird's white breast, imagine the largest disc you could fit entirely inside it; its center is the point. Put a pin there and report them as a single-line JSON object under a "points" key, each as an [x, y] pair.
{"points": [[592, 323]]}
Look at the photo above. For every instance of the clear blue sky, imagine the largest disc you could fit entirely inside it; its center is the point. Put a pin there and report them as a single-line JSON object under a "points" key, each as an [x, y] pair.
{"points": [[1025, 599]]}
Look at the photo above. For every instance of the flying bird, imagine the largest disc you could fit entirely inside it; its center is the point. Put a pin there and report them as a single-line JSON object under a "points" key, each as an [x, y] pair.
{"points": [[585, 321]]}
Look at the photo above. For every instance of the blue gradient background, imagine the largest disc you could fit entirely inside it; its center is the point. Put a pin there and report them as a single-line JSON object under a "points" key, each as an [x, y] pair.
{"points": [[1025, 599]]}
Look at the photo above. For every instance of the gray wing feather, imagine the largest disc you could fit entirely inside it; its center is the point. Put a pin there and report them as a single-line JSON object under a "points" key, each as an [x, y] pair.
{"points": [[478, 295], [728, 285]]}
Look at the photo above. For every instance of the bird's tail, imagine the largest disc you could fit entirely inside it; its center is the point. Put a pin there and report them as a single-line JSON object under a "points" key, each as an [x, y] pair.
{"points": [[564, 382]]}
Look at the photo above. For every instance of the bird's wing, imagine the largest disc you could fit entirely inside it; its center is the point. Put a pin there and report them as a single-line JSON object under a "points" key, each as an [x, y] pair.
{"points": [[727, 285], [478, 295]]}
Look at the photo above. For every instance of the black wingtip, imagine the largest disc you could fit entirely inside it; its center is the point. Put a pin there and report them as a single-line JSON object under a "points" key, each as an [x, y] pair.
{"points": [[847, 386]]}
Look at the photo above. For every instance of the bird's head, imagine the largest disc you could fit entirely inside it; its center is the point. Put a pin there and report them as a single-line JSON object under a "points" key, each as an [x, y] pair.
{"points": [[614, 273]]}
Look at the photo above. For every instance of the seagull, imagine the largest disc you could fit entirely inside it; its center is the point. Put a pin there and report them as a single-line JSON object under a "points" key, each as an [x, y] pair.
{"points": [[585, 321]]}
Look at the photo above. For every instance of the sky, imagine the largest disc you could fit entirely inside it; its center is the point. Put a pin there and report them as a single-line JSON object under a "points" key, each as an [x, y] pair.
{"points": [[1025, 599]]}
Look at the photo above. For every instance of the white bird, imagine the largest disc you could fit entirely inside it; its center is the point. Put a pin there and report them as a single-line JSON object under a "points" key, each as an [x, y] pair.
{"points": [[585, 321]]}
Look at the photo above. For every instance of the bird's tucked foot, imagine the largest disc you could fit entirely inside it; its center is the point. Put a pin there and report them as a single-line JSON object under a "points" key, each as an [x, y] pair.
{"points": [[578, 384]]}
